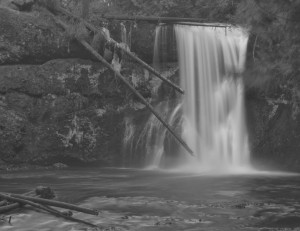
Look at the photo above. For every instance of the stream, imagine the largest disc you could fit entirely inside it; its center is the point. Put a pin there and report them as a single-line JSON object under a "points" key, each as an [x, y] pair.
{"points": [[131, 199]]}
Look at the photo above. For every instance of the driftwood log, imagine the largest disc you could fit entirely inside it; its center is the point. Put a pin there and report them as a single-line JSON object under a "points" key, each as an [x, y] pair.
{"points": [[54, 203], [6, 207], [47, 209], [152, 19], [165, 20]]}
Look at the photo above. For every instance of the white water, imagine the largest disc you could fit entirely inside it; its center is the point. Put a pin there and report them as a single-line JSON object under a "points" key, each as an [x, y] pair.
{"points": [[211, 61], [211, 115]]}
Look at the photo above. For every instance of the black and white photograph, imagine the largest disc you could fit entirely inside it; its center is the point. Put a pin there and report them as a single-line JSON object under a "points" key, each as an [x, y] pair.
{"points": [[149, 115]]}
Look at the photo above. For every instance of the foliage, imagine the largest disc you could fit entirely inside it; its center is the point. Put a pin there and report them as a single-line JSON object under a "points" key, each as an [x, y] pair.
{"points": [[274, 48]]}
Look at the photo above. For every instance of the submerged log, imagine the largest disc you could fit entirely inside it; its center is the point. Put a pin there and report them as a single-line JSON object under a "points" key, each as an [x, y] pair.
{"points": [[41, 207], [127, 52], [123, 79], [56, 204]]}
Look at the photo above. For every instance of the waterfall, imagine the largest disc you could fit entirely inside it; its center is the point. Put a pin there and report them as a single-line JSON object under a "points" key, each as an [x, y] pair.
{"points": [[211, 61], [210, 116], [163, 46]]}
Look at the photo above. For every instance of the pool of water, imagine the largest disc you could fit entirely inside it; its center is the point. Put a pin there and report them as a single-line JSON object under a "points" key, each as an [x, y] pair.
{"points": [[130, 199]]}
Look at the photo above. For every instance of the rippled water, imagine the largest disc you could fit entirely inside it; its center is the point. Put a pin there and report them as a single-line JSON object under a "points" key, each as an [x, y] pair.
{"points": [[150, 200]]}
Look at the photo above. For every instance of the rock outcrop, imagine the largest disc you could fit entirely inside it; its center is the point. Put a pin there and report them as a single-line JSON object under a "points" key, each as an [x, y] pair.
{"points": [[33, 38], [69, 111], [274, 128], [56, 106]]}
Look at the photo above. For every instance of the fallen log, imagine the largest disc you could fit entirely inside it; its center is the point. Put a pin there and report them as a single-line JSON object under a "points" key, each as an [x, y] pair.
{"points": [[41, 207], [94, 29], [54, 203], [213, 25], [151, 19], [6, 207], [123, 79]]}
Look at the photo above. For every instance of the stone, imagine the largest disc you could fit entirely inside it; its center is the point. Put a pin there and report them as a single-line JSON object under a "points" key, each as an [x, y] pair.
{"points": [[34, 38], [68, 111], [23, 5], [60, 165]]}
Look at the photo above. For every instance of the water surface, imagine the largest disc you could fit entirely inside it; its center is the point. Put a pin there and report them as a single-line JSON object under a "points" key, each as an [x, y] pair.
{"points": [[132, 199]]}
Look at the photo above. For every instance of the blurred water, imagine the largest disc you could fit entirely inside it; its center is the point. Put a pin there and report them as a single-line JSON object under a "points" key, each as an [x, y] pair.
{"points": [[210, 116], [130, 199], [211, 60]]}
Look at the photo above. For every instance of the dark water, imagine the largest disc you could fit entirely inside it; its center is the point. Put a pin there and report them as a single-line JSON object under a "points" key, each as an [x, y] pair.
{"points": [[150, 200]]}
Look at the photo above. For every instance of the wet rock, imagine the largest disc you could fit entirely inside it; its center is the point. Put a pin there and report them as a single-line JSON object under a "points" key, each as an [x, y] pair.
{"points": [[65, 111], [274, 133], [32, 37], [45, 192], [60, 165], [23, 5], [240, 206]]}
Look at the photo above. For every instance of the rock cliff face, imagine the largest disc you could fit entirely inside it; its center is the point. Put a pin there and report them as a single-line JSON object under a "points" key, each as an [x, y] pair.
{"points": [[54, 110], [274, 128], [32, 38], [68, 111]]}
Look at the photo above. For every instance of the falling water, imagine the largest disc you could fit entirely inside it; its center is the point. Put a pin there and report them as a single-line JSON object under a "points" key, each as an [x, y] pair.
{"points": [[163, 46], [211, 113], [211, 61]]}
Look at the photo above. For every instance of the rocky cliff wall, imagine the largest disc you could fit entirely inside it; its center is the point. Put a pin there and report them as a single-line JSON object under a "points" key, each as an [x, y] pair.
{"points": [[274, 126], [56, 106]]}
